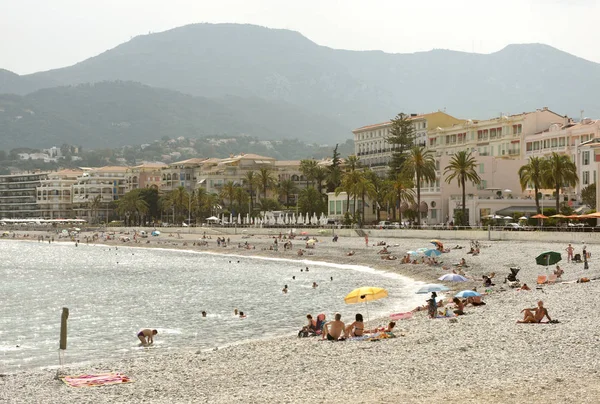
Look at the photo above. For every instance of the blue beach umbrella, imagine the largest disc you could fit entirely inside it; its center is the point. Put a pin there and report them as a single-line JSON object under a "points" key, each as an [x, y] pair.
{"points": [[433, 252], [422, 249], [432, 287], [412, 253], [467, 293]]}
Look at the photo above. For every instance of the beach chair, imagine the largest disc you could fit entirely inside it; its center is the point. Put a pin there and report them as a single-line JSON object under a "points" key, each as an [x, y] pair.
{"points": [[552, 279], [513, 275], [542, 279]]}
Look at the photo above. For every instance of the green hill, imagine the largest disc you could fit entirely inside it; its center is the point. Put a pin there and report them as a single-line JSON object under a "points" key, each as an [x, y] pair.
{"points": [[112, 114]]}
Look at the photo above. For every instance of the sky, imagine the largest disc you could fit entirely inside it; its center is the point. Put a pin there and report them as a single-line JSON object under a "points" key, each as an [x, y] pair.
{"points": [[38, 35]]}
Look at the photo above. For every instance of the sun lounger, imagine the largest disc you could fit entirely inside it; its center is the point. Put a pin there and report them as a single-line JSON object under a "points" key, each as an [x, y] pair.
{"points": [[542, 279], [552, 279]]}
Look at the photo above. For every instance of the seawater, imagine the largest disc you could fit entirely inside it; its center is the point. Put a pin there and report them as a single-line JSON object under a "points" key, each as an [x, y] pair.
{"points": [[113, 292]]}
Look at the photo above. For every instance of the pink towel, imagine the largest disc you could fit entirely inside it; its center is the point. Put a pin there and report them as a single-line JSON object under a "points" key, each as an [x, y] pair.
{"points": [[95, 380], [401, 316]]}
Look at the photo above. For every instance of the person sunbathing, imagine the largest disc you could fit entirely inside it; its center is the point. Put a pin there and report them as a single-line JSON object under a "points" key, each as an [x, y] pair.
{"points": [[535, 315], [391, 258], [525, 287], [460, 307], [389, 328], [475, 301], [558, 271], [350, 254], [357, 328], [384, 250]]}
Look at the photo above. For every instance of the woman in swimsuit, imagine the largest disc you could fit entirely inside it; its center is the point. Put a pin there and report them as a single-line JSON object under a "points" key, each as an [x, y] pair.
{"points": [[356, 329]]}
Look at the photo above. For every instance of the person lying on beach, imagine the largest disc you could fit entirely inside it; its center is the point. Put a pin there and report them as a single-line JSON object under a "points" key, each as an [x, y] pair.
{"points": [[351, 253], [146, 336], [391, 257], [535, 315], [357, 328], [333, 330], [525, 287], [475, 301], [384, 250], [389, 328]]}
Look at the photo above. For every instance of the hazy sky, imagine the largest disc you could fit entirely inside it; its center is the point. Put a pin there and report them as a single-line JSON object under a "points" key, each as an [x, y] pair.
{"points": [[42, 34]]}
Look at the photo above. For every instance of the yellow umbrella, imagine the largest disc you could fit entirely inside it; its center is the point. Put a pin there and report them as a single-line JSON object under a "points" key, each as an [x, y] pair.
{"points": [[365, 294]]}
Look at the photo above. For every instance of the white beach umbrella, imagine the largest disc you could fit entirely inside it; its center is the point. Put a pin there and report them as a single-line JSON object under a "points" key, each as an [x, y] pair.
{"points": [[230, 218], [239, 219]]}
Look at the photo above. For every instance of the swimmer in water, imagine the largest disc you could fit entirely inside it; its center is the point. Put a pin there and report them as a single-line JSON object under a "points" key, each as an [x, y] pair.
{"points": [[203, 313], [285, 289], [235, 312], [315, 285], [294, 277], [242, 315]]}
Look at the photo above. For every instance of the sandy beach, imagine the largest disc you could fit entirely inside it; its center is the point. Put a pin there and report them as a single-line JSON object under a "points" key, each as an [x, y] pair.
{"points": [[483, 356]]}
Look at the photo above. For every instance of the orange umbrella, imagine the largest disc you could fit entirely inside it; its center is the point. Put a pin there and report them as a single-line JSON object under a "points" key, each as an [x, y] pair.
{"points": [[574, 217], [539, 216], [594, 215]]}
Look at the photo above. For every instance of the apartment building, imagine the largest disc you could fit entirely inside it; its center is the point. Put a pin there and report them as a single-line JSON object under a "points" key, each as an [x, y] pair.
{"points": [[147, 175], [499, 137], [181, 174], [55, 194], [18, 197], [372, 148], [97, 189], [215, 172]]}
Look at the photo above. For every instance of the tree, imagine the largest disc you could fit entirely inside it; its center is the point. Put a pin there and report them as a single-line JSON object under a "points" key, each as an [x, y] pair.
{"points": [[310, 202], [286, 188], [560, 171], [420, 164], [132, 205], [95, 204], [334, 171], [366, 189], [588, 195], [250, 181], [380, 190], [401, 137], [241, 198], [265, 180], [401, 192], [319, 177], [462, 168], [307, 168], [228, 193], [532, 174]]}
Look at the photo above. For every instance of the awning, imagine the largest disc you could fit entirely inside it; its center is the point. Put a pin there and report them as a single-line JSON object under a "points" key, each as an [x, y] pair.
{"points": [[202, 181], [517, 209]]}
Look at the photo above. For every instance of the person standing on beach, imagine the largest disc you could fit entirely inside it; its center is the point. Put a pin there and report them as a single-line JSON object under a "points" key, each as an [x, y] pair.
{"points": [[569, 251], [146, 336], [366, 240]]}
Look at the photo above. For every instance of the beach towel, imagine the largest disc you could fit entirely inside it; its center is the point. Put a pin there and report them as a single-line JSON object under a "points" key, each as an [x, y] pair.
{"points": [[401, 316], [100, 379]]}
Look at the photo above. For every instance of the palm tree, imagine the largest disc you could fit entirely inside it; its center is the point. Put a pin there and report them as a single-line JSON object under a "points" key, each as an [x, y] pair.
{"points": [[95, 204], [132, 204], [228, 193], [560, 171], [307, 168], [401, 192], [250, 180], [420, 164], [241, 198], [365, 188], [462, 168], [319, 176], [532, 174], [349, 181], [265, 180], [287, 188]]}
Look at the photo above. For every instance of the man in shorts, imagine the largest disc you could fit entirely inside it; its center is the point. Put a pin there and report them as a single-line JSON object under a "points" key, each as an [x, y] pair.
{"points": [[146, 336], [334, 329]]}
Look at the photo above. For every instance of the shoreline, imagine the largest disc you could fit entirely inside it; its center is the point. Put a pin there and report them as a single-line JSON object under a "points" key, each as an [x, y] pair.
{"points": [[483, 357]]}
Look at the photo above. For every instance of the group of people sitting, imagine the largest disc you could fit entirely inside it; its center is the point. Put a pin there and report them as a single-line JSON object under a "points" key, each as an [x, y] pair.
{"points": [[337, 330]]}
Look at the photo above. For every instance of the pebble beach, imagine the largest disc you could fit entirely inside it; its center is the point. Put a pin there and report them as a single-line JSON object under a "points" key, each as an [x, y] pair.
{"points": [[483, 356]]}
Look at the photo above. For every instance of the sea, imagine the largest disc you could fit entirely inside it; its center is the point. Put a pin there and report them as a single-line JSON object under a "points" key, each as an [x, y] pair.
{"points": [[113, 292]]}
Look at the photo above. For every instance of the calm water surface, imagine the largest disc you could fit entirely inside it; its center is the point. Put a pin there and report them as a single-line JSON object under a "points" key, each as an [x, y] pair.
{"points": [[112, 293]]}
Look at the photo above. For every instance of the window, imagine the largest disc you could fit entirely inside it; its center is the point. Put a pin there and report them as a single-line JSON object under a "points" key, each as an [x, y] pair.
{"points": [[586, 158], [517, 129], [492, 133], [561, 141], [529, 146], [481, 168], [331, 207], [499, 132], [433, 213], [586, 177]]}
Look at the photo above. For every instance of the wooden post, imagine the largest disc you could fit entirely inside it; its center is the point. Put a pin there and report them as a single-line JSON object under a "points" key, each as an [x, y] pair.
{"points": [[63, 328]]}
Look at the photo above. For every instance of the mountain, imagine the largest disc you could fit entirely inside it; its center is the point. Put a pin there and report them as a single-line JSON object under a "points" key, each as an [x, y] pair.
{"points": [[112, 114], [352, 88]]}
